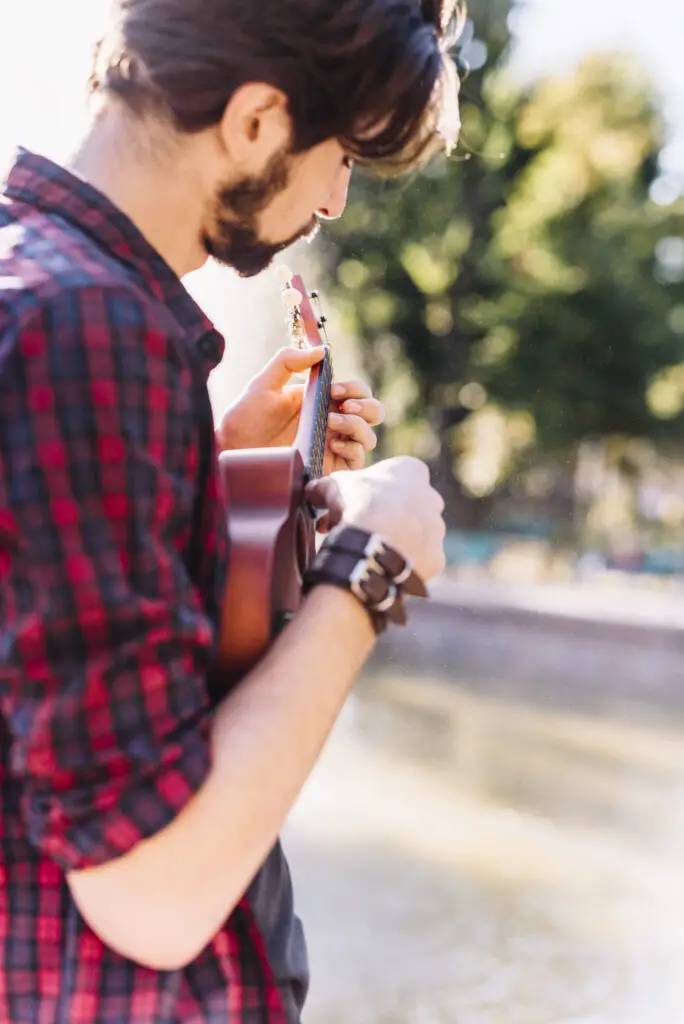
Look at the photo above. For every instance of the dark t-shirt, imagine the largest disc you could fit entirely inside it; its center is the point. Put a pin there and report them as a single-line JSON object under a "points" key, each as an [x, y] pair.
{"points": [[271, 898]]}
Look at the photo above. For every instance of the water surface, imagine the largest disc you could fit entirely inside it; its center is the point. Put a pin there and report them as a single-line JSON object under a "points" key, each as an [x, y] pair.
{"points": [[462, 860]]}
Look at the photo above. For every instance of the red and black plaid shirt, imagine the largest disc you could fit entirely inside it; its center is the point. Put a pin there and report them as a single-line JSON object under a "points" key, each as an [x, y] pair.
{"points": [[111, 560]]}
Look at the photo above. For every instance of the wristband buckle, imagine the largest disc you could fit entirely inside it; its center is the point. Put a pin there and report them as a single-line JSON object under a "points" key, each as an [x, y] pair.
{"points": [[361, 574], [374, 551], [374, 548]]}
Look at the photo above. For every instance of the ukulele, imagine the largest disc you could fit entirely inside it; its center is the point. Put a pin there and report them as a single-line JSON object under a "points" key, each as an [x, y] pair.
{"points": [[271, 525]]}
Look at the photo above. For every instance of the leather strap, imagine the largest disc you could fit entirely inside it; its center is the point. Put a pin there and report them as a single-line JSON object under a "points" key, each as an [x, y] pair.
{"points": [[375, 573]]}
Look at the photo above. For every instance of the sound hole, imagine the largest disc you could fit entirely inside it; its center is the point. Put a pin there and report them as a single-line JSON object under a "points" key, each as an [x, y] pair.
{"points": [[303, 542]]}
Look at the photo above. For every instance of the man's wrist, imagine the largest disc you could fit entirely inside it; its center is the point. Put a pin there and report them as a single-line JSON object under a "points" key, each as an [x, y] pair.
{"points": [[350, 615], [363, 564]]}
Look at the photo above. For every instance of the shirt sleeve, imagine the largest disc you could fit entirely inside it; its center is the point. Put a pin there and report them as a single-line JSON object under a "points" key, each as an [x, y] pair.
{"points": [[105, 640]]}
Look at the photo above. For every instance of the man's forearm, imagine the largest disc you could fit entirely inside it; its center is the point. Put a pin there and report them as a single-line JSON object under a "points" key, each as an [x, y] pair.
{"points": [[161, 903]]}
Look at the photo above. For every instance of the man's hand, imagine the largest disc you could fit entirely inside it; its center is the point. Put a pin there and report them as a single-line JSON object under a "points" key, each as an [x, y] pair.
{"points": [[395, 499], [266, 414]]}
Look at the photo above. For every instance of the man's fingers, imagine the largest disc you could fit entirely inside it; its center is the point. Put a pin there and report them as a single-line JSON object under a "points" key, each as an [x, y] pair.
{"points": [[350, 389], [353, 453], [325, 494], [369, 409], [285, 363], [353, 428]]}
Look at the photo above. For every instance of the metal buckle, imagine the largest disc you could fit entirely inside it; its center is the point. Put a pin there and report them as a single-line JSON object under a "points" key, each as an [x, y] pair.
{"points": [[403, 576], [375, 546], [388, 603], [360, 574]]}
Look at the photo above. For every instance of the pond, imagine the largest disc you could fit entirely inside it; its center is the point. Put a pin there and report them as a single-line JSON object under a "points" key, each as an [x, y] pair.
{"points": [[461, 859]]}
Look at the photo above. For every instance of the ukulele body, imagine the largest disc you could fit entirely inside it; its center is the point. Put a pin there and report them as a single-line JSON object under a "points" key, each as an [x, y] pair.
{"points": [[272, 542]]}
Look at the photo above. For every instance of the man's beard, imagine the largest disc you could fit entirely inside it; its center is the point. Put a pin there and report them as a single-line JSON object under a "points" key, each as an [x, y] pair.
{"points": [[234, 239]]}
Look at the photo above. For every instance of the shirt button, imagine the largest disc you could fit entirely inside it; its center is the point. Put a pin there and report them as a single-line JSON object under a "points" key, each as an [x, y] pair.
{"points": [[208, 347]]}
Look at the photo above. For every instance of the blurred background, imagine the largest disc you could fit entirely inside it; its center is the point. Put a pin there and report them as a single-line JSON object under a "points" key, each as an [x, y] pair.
{"points": [[495, 834]]}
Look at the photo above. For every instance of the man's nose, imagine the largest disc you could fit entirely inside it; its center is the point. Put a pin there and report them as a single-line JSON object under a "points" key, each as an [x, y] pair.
{"points": [[334, 208]]}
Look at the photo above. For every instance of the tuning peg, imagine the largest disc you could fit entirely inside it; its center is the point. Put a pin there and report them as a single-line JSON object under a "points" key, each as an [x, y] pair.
{"points": [[284, 274], [291, 297]]}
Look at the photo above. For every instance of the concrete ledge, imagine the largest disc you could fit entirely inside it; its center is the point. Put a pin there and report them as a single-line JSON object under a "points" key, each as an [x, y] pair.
{"points": [[605, 605], [550, 645]]}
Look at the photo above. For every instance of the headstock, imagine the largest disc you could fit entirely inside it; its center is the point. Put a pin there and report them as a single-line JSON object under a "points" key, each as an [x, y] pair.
{"points": [[306, 325]]}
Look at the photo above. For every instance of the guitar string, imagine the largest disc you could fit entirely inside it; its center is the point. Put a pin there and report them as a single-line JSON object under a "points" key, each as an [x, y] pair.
{"points": [[316, 448]]}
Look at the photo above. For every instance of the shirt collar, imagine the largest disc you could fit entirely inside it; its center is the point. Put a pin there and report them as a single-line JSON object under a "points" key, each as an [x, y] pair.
{"points": [[37, 181]]}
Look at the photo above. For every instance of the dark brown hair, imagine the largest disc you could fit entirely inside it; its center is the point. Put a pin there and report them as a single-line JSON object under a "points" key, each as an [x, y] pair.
{"points": [[374, 74]]}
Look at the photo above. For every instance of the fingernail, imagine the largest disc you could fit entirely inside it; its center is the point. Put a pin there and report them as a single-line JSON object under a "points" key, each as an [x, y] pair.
{"points": [[352, 407], [337, 390], [334, 420]]}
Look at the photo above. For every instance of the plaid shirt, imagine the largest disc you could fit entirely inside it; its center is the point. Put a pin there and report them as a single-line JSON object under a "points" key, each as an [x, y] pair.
{"points": [[112, 556]]}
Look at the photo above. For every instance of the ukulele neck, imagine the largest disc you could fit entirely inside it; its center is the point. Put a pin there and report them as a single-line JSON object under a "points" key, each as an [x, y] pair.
{"points": [[311, 437], [308, 329]]}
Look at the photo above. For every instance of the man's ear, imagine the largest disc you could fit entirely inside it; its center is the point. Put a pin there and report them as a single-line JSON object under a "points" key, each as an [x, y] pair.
{"points": [[255, 124]]}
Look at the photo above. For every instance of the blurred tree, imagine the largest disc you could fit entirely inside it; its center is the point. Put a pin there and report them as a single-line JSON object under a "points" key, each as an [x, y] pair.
{"points": [[526, 293], [403, 267], [590, 268]]}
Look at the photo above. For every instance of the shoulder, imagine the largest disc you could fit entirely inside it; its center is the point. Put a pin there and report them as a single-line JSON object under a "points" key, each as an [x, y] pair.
{"points": [[85, 335], [82, 335], [94, 356], [56, 279]]}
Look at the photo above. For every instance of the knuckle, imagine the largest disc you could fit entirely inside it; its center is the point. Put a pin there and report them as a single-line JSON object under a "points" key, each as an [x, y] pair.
{"points": [[438, 500], [362, 433], [350, 425], [409, 463]]}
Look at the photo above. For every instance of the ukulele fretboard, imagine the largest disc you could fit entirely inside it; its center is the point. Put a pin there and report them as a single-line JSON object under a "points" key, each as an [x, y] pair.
{"points": [[316, 453]]}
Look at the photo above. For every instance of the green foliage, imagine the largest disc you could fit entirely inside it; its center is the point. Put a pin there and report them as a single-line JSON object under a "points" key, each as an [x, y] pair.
{"points": [[529, 274], [578, 244]]}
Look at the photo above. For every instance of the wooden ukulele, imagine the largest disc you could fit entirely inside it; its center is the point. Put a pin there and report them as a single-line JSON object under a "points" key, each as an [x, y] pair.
{"points": [[271, 526]]}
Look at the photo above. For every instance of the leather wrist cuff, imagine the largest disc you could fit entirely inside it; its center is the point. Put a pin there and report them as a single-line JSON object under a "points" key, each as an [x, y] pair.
{"points": [[375, 573]]}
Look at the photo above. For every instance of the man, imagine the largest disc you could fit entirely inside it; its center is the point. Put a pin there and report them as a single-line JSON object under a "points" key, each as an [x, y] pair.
{"points": [[142, 879]]}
